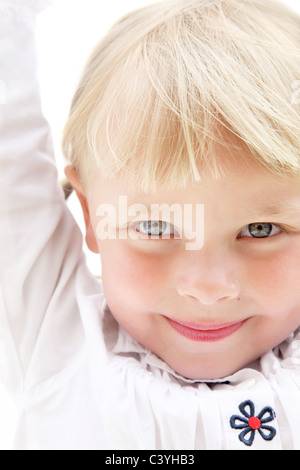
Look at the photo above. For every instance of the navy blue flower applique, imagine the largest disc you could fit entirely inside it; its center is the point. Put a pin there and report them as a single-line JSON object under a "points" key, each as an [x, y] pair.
{"points": [[251, 423]]}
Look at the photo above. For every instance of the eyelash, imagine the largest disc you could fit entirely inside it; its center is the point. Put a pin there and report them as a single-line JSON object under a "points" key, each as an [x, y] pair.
{"points": [[172, 231], [261, 225]]}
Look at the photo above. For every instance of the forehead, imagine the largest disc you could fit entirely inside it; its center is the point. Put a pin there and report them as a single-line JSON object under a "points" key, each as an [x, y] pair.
{"points": [[243, 180]]}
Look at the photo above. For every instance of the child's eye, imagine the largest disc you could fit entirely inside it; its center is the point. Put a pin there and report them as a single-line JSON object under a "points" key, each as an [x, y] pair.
{"points": [[155, 228], [260, 230]]}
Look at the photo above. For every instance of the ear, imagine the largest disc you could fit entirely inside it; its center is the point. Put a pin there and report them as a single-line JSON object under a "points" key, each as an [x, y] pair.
{"points": [[73, 178]]}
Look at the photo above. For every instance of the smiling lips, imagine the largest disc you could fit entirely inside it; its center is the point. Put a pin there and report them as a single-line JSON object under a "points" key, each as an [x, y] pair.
{"points": [[196, 332]]}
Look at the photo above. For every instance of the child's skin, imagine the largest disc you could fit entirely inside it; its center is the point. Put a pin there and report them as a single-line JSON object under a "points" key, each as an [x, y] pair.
{"points": [[250, 284]]}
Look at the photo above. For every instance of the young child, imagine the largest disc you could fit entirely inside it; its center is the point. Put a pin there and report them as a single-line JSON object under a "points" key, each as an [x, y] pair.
{"points": [[183, 147]]}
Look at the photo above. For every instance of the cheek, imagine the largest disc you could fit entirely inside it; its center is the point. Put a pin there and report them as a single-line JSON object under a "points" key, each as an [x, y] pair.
{"points": [[275, 279], [136, 277]]}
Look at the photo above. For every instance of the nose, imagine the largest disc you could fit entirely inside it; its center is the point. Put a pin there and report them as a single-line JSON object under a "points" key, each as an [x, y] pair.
{"points": [[208, 280]]}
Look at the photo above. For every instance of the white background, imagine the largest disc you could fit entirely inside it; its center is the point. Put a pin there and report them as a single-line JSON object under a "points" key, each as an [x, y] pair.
{"points": [[66, 33]]}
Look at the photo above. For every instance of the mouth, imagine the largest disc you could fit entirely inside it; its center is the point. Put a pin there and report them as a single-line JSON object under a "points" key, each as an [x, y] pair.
{"points": [[205, 333]]}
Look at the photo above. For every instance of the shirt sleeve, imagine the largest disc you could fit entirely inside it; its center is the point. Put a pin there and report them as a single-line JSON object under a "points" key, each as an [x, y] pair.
{"points": [[40, 243]]}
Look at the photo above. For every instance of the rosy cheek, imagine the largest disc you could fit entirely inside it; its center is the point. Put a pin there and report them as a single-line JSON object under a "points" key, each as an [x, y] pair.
{"points": [[140, 275], [274, 278]]}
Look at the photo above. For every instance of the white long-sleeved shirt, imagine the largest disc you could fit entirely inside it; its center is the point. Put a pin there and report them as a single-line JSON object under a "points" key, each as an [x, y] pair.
{"points": [[80, 381]]}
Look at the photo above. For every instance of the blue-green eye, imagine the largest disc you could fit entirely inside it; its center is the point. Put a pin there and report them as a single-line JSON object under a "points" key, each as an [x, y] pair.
{"points": [[155, 228], [260, 230]]}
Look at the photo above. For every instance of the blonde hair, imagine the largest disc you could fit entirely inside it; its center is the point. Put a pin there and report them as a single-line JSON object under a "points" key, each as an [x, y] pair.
{"points": [[160, 89]]}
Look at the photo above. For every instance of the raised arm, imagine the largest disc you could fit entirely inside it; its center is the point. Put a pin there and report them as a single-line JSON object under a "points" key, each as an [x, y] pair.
{"points": [[40, 244]]}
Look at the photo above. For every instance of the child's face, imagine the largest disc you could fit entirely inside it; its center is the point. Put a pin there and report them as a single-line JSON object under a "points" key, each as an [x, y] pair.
{"points": [[209, 310]]}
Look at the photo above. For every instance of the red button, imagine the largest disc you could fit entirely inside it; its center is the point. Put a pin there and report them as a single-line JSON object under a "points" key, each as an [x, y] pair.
{"points": [[254, 423]]}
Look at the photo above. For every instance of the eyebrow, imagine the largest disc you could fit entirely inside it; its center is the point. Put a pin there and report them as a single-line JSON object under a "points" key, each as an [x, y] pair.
{"points": [[283, 208]]}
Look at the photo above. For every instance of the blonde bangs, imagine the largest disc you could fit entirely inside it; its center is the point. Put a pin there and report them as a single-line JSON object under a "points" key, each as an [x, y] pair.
{"points": [[169, 81]]}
